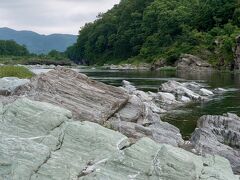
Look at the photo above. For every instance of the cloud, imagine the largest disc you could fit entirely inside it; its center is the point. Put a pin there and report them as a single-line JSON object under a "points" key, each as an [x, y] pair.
{"points": [[51, 16]]}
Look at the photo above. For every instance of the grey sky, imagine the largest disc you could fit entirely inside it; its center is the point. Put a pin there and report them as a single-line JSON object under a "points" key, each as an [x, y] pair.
{"points": [[51, 16]]}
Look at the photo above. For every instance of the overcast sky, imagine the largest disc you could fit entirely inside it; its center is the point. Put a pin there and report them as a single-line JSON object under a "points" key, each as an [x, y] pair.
{"points": [[51, 16]]}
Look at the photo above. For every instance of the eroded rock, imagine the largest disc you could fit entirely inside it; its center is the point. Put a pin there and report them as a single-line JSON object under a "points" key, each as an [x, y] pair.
{"points": [[89, 100], [41, 141], [141, 117], [192, 63], [219, 135]]}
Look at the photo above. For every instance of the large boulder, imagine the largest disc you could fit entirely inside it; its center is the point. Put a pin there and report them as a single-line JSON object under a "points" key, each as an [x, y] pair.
{"points": [[9, 84], [88, 99], [41, 141], [192, 63], [219, 135], [237, 54]]}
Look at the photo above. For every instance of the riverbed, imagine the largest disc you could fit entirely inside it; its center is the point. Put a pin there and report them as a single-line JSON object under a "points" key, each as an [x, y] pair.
{"points": [[186, 117]]}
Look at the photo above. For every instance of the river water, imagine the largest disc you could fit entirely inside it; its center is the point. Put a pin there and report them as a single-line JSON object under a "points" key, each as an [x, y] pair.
{"points": [[184, 118]]}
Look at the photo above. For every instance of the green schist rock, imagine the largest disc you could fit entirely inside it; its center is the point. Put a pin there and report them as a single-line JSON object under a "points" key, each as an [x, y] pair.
{"points": [[40, 141], [148, 160]]}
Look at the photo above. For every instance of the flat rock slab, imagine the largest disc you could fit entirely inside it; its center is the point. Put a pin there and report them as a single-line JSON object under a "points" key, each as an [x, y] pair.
{"points": [[89, 100], [40, 141]]}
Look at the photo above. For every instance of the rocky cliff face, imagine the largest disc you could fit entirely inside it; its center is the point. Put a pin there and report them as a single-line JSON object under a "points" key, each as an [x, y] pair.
{"points": [[192, 63], [237, 54]]}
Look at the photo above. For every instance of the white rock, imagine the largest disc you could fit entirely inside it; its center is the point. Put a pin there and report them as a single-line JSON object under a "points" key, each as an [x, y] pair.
{"points": [[205, 92], [10, 84]]}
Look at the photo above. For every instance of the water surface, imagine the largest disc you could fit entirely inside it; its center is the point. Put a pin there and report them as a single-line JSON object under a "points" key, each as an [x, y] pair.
{"points": [[184, 118]]}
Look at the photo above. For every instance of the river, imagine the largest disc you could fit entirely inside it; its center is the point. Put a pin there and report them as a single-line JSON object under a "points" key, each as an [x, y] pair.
{"points": [[184, 118]]}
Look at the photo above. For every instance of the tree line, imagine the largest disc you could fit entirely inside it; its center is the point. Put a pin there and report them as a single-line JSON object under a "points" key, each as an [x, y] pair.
{"points": [[11, 48], [149, 30]]}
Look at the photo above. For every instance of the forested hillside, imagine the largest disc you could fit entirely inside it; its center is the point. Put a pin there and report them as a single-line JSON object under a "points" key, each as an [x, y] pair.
{"points": [[11, 48], [149, 30]]}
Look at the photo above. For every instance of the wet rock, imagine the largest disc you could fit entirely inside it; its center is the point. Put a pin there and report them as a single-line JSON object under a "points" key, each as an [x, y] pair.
{"points": [[219, 90], [185, 91], [192, 63], [205, 92], [9, 84], [41, 141], [179, 89], [219, 135]]}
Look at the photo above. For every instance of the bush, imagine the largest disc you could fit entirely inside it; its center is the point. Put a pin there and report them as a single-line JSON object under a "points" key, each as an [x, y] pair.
{"points": [[15, 71]]}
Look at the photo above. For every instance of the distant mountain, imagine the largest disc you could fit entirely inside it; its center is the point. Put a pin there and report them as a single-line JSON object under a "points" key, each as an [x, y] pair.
{"points": [[37, 43]]}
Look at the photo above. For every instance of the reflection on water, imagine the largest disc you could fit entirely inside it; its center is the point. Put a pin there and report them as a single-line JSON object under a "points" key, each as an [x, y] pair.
{"points": [[185, 118]]}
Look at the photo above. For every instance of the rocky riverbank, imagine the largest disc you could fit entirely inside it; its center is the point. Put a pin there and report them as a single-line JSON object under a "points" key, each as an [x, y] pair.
{"points": [[66, 121]]}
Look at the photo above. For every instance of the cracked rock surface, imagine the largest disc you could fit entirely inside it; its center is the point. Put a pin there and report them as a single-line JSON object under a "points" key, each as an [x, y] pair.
{"points": [[133, 114], [40, 141], [87, 99], [219, 135]]}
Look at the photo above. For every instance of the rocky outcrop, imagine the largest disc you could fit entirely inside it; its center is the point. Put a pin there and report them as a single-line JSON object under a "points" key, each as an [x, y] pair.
{"points": [[156, 65], [173, 94], [89, 100], [219, 135], [141, 117], [10, 84], [133, 114], [41, 141], [237, 54], [192, 63]]}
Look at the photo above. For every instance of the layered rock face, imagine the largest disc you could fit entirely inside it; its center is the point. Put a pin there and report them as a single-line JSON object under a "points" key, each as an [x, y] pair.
{"points": [[41, 141], [219, 135], [173, 94], [192, 63], [141, 117], [134, 115], [237, 54], [89, 100]]}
